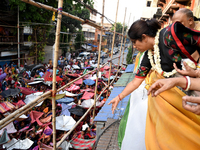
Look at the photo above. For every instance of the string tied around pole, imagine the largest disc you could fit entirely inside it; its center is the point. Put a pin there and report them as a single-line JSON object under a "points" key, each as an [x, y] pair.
{"points": [[97, 69], [53, 93], [85, 21], [109, 60], [59, 10]]}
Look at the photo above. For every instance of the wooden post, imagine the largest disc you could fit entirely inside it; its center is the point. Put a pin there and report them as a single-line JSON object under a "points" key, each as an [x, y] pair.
{"points": [[18, 39], [112, 47], [55, 63], [95, 99], [36, 45], [122, 39]]}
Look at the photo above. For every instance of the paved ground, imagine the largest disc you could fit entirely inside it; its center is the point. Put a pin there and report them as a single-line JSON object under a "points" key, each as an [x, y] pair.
{"points": [[115, 61]]}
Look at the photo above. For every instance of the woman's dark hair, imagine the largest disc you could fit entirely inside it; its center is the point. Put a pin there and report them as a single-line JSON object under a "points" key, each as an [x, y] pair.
{"points": [[140, 27]]}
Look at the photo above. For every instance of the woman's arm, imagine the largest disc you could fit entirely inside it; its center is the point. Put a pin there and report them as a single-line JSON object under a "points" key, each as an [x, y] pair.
{"points": [[134, 84], [165, 84]]}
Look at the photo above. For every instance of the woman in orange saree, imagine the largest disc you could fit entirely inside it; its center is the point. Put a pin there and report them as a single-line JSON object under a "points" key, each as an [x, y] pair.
{"points": [[168, 125]]}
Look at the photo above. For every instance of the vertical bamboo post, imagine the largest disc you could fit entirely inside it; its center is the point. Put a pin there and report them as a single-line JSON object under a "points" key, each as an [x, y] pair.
{"points": [[125, 42], [18, 44], [36, 45], [95, 96], [122, 39], [112, 47], [55, 63]]}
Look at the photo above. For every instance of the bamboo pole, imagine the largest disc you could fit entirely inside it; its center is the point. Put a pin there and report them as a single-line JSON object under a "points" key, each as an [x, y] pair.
{"points": [[7, 119], [18, 35], [122, 39], [55, 63], [23, 112], [36, 45], [97, 76], [112, 46], [125, 41]]}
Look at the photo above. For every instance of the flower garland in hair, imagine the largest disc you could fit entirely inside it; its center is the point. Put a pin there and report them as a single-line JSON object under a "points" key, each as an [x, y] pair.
{"points": [[157, 59]]}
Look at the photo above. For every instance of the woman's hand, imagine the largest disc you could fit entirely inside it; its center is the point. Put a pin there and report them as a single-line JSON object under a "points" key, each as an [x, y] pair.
{"points": [[195, 108], [160, 86], [114, 103], [188, 72]]}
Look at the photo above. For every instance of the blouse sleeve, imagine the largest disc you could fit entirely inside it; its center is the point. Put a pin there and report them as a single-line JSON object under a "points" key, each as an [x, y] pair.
{"points": [[144, 67]]}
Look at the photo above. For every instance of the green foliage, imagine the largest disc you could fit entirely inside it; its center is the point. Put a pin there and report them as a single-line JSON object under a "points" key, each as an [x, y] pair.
{"points": [[119, 27], [79, 39], [129, 56]]}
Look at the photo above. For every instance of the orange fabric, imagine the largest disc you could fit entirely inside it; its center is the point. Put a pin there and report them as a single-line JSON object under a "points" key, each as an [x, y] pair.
{"points": [[168, 125], [46, 110], [137, 61]]}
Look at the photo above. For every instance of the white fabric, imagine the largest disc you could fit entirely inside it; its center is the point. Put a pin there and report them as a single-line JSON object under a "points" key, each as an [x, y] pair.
{"points": [[18, 144], [70, 94], [65, 145], [89, 102], [29, 98], [64, 123], [134, 137], [10, 128]]}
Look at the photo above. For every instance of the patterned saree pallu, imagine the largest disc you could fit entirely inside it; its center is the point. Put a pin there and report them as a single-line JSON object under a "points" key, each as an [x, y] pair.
{"points": [[169, 126]]}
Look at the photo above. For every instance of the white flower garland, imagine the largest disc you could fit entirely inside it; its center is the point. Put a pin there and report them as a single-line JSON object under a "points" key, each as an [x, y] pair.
{"points": [[157, 59]]}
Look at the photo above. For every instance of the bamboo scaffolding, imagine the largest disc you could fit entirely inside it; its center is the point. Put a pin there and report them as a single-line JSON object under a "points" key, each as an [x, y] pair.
{"points": [[16, 59], [122, 38], [69, 132], [112, 46], [55, 64], [40, 5], [97, 76], [11, 26]]}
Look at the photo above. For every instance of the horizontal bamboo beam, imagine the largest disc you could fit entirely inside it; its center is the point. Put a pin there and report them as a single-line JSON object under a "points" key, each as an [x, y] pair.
{"points": [[23, 112], [50, 8], [9, 117]]}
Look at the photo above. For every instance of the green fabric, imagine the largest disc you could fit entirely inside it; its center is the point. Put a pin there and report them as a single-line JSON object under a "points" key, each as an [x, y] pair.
{"points": [[4, 137], [85, 71], [122, 126], [124, 79], [58, 96]]}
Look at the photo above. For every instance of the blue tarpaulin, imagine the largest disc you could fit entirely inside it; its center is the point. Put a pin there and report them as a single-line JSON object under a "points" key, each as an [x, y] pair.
{"points": [[89, 82], [106, 111], [65, 100], [130, 68], [94, 45]]}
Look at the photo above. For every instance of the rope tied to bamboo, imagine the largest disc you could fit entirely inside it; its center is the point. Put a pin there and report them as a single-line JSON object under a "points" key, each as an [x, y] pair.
{"points": [[59, 10], [109, 60], [85, 21], [97, 69], [53, 93]]}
